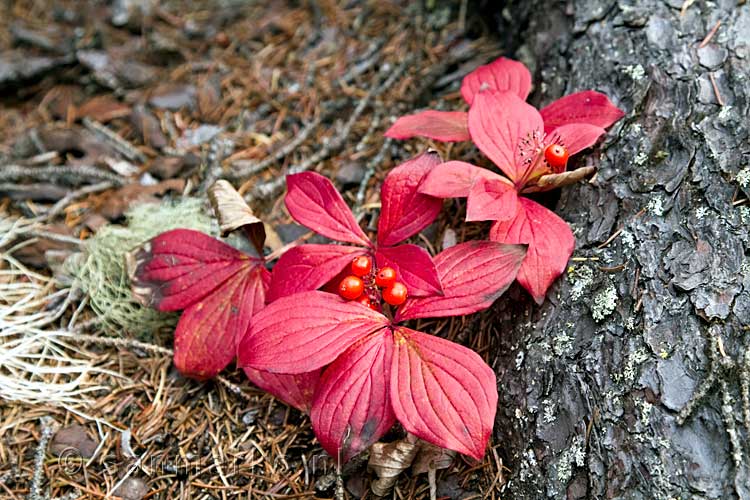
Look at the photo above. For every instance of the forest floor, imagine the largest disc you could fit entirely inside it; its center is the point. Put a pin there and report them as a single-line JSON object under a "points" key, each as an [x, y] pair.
{"points": [[104, 108]]}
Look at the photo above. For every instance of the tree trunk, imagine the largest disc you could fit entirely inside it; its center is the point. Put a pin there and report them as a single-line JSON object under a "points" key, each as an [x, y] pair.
{"points": [[631, 380]]}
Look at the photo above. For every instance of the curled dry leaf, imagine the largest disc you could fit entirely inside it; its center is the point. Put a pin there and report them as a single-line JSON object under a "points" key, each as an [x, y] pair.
{"points": [[233, 213], [388, 460], [554, 181]]}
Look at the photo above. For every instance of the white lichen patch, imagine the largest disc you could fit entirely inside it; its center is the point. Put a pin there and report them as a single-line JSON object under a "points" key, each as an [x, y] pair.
{"points": [[581, 279], [628, 240], [562, 343], [656, 206], [745, 214], [573, 456], [724, 113], [604, 303], [701, 212], [640, 159], [630, 372], [634, 71], [743, 177], [549, 412]]}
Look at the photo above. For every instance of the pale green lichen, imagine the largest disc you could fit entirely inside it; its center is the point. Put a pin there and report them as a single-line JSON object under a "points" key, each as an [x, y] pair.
{"points": [[100, 270], [573, 456], [604, 303], [634, 71], [581, 278], [640, 159]]}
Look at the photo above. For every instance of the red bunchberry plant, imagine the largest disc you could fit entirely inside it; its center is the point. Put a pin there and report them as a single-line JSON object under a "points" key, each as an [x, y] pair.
{"points": [[505, 74], [533, 155], [376, 371], [314, 202], [219, 289]]}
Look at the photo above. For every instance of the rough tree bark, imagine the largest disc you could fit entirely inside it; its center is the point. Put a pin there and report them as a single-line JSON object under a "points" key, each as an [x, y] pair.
{"points": [[631, 381]]}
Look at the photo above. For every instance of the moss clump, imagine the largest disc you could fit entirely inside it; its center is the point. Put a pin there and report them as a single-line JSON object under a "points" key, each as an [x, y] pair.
{"points": [[101, 273]]}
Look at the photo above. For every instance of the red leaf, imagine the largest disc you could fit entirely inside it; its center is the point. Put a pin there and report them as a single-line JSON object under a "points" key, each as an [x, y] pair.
{"points": [[453, 179], [491, 200], [295, 390], [474, 274], [306, 331], [444, 126], [182, 266], [442, 392], [414, 268], [550, 241], [501, 75], [405, 211], [588, 106], [352, 406], [507, 130], [205, 340], [308, 267], [575, 137], [314, 202]]}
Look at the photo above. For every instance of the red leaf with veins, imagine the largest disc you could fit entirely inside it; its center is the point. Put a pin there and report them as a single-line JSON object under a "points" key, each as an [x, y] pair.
{"points": [[306, 331], [491, 200], [453, 179], [180, 267], [295, 390], [474, 274], [442, 392], [550, 241], [588, 106], [404, 210], [414, 268], [352, 407], [444, 126], [507, 130], [316, 204], [219, 288], [575, 137], [501, 75], [308, 267], [206, 335]]}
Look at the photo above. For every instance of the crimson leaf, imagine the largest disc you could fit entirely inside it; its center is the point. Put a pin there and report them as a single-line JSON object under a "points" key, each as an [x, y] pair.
{"points": [[295, 390], [550, 242], [404, 210], [587, 106], [314, 202], [414, 267], [442, 392], [305, 331], [352, 407], [474, 274], [501, 75], [444, 126]]}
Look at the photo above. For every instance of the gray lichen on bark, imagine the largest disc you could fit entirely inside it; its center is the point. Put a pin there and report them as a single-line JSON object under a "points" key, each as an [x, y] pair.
{"points": [[592, 383]]}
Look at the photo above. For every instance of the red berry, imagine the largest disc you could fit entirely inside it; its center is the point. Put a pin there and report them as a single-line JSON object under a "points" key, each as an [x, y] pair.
{"points": [[361, 266], [351, 287], [386, 277], [395, 294], [556, 156], [364, 300]]}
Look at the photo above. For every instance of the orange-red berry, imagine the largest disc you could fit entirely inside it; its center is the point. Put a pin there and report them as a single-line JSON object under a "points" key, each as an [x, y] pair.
{"points": [[556, 156], [364, 300], [362, 265], [386, 277], [395, 294], [351, 287]]}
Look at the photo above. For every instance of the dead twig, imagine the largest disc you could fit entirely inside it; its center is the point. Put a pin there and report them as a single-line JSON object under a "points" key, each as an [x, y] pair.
{"points": [[77, 174]]}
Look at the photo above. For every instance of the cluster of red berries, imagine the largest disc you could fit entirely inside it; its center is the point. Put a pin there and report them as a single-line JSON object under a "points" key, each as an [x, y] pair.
{"points": [[362, 284], [556, 156]]}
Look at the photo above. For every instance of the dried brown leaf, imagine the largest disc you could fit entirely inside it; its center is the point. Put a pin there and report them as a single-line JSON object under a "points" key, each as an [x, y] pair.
{"points": [[233, 214]]}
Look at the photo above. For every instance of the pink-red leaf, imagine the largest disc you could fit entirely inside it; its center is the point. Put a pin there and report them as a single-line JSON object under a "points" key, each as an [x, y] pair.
{"points": [[404, 210], [588, 106], [444, 126], [575, 137], [442, 392], [182, 266], [501, 75], [550, 242], [315, 203], [205, 340], [305, 331], [474, 274], [308, 267], [453, 179], [507, 130], [491, 200], [352, 406], [414, 268], [295, 390]]}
